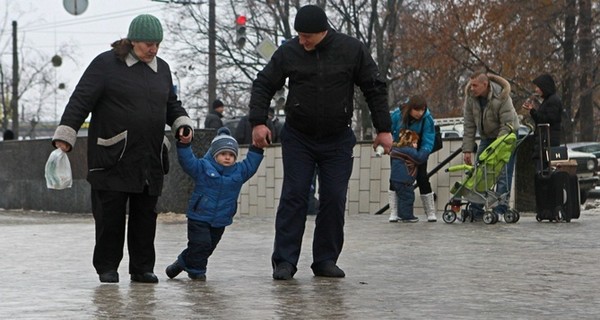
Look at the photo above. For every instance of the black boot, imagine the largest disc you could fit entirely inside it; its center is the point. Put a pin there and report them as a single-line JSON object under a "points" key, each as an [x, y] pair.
{"points": [[173, 270], [327, 269], [146, 277], [109, 277]]}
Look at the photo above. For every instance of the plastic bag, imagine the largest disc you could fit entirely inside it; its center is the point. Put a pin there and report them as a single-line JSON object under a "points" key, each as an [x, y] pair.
{"points": [[58, 171]]}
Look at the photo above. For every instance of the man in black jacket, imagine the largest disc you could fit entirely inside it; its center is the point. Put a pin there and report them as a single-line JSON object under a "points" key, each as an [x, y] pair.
{"points": [[322, 66]]}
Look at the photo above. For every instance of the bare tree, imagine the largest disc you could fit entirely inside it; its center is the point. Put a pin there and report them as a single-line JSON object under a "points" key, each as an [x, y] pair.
{"points": [[237, 67], [37, 85], [427, 47], [442, 41], [568, 86], [585, 76]]}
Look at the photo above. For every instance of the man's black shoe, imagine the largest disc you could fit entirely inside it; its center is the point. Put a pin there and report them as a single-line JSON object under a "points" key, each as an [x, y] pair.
{"points": [[146, 277], [328, 269], [109, 277], [173, 270], [284, 271]]}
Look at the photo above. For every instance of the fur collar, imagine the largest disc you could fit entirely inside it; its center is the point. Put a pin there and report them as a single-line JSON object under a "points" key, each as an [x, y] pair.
{"points": [[499, 87]]}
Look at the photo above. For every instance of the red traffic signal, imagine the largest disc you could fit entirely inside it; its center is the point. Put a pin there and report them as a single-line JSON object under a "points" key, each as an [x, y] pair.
{"points": [[240, 20], [240, 28]]}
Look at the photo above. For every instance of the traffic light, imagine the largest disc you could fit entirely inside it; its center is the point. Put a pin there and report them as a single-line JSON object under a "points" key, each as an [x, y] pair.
{"points": [[240, 31]]}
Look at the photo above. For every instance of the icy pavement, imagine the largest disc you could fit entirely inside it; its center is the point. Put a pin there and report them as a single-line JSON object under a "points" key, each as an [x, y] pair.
{"points": [[527, 270]]}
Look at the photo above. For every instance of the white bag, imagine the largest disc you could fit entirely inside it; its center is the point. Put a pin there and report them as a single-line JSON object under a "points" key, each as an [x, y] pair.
{"points": [[58, 171]]}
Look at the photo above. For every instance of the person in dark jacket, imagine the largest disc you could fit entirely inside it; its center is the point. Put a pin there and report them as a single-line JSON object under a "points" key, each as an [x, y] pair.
{"points": [[322, 67], [213, 118], [549, 111], [218, 182], [129, 93]]}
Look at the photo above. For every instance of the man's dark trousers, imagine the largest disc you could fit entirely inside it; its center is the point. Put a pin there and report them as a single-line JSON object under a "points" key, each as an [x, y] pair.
{"points": [[334, 157]]}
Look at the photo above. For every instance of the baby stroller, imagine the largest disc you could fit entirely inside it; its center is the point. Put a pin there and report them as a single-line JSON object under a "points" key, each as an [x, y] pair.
{"points": [[479, 184]]}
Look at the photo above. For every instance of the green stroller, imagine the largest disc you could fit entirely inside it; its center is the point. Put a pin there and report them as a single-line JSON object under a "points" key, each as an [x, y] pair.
{"points": [[480, 181]]}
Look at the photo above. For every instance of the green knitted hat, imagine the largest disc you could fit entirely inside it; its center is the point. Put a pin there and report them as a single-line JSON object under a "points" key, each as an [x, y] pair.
{"points": [[145, 27]]}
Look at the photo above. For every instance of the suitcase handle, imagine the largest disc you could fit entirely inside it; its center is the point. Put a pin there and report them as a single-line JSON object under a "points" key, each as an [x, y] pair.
{"points": [[544, 131]]}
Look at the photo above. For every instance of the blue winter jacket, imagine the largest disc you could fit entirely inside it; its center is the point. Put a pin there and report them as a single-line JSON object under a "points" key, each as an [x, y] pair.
{"points": [[404, 163], [426, 123], [214, 199]]}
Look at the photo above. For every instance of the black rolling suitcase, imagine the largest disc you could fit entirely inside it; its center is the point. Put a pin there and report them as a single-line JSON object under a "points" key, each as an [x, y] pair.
{"points": [[556, 191], [556, 196]]}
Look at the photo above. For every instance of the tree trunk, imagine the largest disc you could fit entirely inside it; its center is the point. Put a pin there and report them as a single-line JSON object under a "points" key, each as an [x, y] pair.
{"points": [[568, 63], [585, 78], [212, 52], [14, 101]]}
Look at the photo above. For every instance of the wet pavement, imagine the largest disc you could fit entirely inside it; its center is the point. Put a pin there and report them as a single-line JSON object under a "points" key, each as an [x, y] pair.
{"points": [[527, 270]]}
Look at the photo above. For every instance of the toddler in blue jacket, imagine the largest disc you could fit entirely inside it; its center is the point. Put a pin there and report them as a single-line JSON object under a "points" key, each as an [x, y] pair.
{"points": [[218, 181], [405, 159]]}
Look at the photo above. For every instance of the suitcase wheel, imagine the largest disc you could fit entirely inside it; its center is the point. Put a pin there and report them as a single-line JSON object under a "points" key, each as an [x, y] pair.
{"points": [[562, 216]]}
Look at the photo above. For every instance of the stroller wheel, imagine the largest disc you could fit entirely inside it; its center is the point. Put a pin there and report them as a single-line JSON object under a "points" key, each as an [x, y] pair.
{"points": [[511, 216], [490, 217], [449, 216]]}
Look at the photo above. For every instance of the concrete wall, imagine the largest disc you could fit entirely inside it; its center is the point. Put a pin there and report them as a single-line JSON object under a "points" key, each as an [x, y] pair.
{"points": [[23, 186], [369, 183]]}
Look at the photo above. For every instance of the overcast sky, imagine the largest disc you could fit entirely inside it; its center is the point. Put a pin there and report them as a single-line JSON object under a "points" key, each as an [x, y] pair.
{"points": [[46, 25]]}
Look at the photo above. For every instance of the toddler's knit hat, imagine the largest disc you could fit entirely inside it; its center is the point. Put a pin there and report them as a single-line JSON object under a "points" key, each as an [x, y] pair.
{"points": [[311, 19], [145, 27], [223, 142]]}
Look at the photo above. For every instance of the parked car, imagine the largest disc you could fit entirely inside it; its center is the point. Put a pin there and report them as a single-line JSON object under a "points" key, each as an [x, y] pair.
{"points": [[587, 171], [450, 134], [451, 130], [232, 123], [589, 147]]}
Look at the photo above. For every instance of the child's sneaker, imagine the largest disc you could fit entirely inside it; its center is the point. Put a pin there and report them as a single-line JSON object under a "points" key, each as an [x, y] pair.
{"points": [[411, 220]]}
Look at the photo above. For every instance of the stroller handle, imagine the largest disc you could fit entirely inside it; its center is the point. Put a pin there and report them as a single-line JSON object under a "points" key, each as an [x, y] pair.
{"points": [[460, 167]]}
